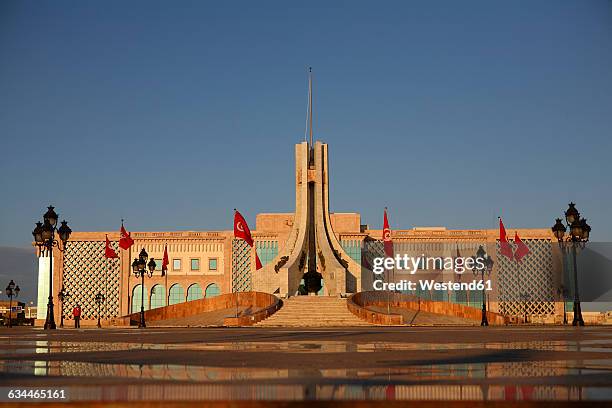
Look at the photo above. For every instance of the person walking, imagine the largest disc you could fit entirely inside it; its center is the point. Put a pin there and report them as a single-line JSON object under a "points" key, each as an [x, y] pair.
{"points": [[76, 313]]}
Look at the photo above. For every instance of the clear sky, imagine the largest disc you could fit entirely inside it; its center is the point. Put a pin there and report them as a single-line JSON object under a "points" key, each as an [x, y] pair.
{"points": [[170, 114]]}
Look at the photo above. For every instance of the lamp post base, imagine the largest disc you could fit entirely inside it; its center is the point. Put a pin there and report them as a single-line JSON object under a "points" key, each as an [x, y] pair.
{"points": [[578, 321], [50, 320], [484, 321], [141, 324]]}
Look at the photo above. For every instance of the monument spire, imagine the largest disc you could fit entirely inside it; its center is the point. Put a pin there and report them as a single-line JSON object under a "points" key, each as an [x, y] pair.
{"points": [[313, 254], [310, 104]]}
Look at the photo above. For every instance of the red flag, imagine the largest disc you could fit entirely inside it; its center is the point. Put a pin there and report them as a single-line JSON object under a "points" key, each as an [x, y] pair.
{"points": [[505, 248], [108, 251], [510, 392], [125, 240], [258, 265], [390, 392], [165, 261], [242, 231], [527, 391], [365, 263], [387, 236], [521, 248]]}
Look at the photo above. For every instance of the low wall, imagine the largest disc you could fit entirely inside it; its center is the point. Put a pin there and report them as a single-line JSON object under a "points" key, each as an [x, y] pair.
{"points": [[359, 302], [69, 322], [358, 307], [267, 302], [251, 319]]}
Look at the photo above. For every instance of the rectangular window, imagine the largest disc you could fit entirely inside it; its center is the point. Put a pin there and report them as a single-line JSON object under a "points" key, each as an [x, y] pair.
{"points": [[212, 264], [195, 264], [176, 264]]}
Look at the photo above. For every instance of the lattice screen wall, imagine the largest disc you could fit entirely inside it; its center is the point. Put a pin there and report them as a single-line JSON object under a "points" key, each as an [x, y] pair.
{"points": [[87, 272], [241, 266], [372, 249], [527, 287]]}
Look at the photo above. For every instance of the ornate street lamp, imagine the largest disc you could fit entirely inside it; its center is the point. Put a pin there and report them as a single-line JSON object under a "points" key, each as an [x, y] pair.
{"points": [[100, 298], [579, 232], [62, 296], [139, 267], [12, 290], [486, 269], [44, 237]]}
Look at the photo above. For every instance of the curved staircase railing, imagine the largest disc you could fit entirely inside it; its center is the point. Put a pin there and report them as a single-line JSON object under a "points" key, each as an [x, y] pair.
{"points": [[358, 304], [264, 305]]}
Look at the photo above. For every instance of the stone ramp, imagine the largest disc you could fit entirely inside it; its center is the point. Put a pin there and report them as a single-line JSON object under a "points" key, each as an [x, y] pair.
{"points": [[206, 319], [422, 318], [313, 311], [210, 311]]}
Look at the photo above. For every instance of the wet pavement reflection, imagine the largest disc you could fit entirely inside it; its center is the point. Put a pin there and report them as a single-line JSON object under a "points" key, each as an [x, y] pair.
{"points": [[42, 346], [28, 359]]}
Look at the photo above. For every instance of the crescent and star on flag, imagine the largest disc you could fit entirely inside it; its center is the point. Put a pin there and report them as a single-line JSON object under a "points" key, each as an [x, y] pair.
{"points": [[242, 231]]}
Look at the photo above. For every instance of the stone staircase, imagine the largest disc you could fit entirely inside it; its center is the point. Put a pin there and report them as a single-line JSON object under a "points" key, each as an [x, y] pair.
{"points": [[313, 311]]}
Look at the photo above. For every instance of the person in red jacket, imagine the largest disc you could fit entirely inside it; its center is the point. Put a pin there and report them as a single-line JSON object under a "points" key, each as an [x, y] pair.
{"points": [[76, 312]]}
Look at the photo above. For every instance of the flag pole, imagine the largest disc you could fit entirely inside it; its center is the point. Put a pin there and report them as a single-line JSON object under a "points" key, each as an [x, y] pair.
{"points": [[128, 284], [129, 306], [518, 271], [106, 289], [236, 287], [129, 294], [393, 271], [388, 274]]}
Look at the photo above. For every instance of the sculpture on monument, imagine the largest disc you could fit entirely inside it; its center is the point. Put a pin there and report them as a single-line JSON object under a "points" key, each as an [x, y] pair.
{"points": [[312, 251]]}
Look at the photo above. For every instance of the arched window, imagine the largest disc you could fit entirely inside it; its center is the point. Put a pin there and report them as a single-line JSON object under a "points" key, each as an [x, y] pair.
{"points": [[212, 290], [177, 294], [194, 292], [158, 296], [137, 299]]}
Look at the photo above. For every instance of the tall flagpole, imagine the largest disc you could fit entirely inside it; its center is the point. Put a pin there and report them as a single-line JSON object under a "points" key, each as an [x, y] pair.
{"points": [[130, 300], [106, 289], [236, 288]]}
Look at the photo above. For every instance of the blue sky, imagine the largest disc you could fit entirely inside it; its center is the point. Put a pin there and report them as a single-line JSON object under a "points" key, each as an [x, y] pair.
{"points": [[170, 114]]}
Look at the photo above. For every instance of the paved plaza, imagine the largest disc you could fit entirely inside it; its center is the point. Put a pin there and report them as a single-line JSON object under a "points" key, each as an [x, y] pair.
{"points": [[533, 363]]}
